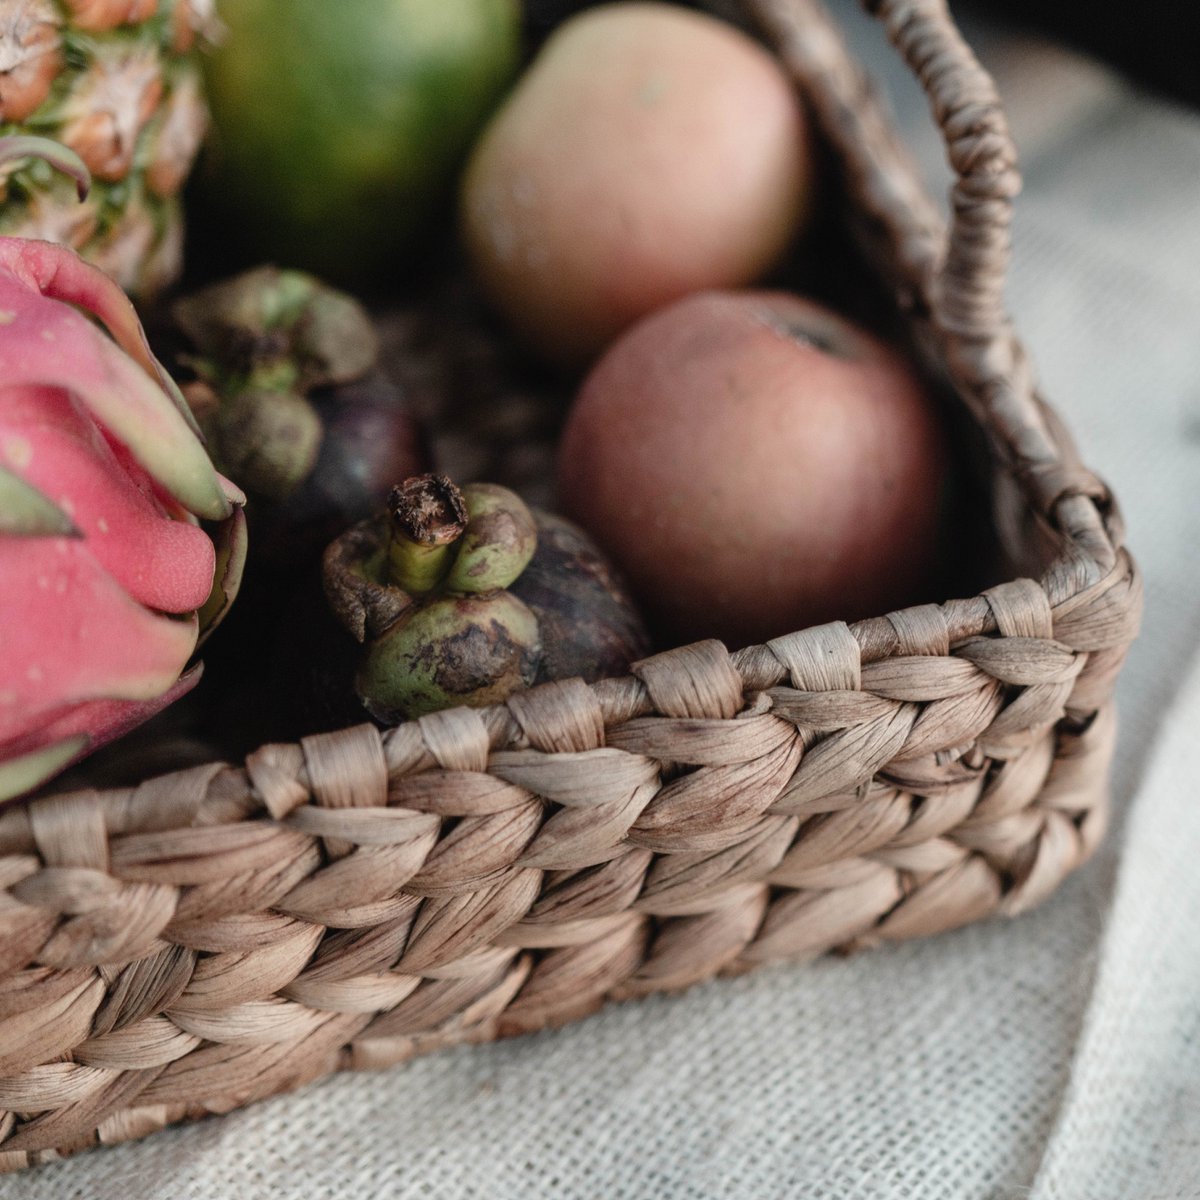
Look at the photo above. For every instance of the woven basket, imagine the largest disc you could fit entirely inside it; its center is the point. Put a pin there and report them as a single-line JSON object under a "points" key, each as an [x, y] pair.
{"points": [[220, 934]]}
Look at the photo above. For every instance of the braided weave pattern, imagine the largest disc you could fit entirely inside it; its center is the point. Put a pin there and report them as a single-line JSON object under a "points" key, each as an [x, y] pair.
{"points": [[214, 936], [218, 935]]}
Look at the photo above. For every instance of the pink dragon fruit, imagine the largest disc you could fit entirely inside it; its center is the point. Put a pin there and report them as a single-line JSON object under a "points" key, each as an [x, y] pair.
{"points": [[108, 582]]}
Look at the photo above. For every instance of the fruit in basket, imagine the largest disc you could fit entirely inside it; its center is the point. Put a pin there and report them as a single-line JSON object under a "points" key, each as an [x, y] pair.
{"points": [[340, 127], [431, 590], [589, 624], [648, 152], [294, 406], [427, 647], [117, 81], [756, 464], [108, 581]]}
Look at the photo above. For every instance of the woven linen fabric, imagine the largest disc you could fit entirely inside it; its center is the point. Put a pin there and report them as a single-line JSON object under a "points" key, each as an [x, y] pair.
{"points": [[1055, 1056]]}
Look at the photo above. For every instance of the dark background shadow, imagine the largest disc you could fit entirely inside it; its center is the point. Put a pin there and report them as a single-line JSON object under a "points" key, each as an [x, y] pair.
{"points": [[1154, 42]]}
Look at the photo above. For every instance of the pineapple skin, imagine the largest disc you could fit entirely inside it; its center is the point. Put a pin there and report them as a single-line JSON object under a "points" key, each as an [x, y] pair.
{"points": [[118, 82]]}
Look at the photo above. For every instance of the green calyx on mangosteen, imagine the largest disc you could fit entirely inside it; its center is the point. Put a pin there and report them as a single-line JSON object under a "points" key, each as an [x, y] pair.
{"points": [[498, 543], [433, 591], [294, 406], [472, 650], [262, 341]]}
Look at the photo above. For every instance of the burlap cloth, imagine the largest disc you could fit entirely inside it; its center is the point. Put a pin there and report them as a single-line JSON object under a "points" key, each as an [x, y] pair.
{"points": [[1055, 1056]]}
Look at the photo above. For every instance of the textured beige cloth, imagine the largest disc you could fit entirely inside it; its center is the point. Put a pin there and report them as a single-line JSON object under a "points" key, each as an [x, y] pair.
{"points": [[1056, 1056]]}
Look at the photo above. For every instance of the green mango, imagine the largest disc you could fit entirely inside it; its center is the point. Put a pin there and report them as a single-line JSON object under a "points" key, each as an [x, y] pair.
{"points": [[340, 126]]}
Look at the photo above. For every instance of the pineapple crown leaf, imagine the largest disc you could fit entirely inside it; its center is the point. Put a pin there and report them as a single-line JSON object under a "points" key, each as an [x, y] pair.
{"points": [[60, 157]]}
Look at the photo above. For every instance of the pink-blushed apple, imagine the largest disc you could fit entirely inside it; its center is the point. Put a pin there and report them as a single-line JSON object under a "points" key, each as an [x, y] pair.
{"points": [[648, 152], [756, 464]]}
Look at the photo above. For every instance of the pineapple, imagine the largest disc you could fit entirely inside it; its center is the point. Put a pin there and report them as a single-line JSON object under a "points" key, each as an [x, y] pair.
{"points": [[116, 81]]}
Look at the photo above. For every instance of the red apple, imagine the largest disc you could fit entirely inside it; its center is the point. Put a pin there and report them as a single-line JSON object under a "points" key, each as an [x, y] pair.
{"points": [[648, 152], [756, 464]]}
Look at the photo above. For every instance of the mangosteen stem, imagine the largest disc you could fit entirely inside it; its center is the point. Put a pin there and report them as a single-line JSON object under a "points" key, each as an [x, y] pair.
{"points": [[428, 517]]}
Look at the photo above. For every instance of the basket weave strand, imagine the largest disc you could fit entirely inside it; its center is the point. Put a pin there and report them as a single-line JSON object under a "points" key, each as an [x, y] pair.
{"points": [[214, 936]]}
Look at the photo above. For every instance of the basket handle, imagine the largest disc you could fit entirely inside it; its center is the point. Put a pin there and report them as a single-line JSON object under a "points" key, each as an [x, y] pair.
{"points": [[966, 107], [954, 276], [959, 273]]}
